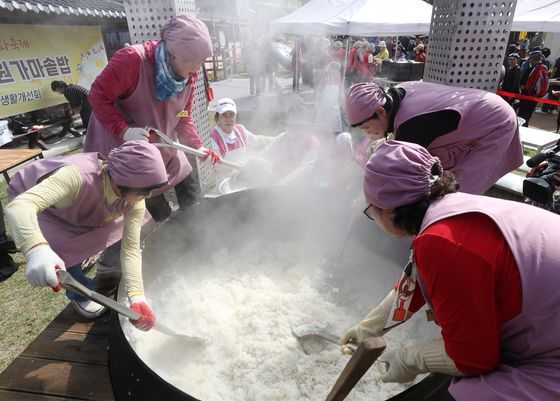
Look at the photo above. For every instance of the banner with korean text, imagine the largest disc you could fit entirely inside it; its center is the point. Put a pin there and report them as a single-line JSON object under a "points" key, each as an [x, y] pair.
{"points": [[32, 56]]}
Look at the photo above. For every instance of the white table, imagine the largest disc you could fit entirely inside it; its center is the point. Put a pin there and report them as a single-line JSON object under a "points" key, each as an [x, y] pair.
{"points": [[538, 139]]}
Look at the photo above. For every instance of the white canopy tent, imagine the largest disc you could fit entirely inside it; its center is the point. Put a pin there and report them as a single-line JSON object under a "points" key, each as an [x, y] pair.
{"points": [[396, 17], [392, 17], [357, 17], [537, 16]]}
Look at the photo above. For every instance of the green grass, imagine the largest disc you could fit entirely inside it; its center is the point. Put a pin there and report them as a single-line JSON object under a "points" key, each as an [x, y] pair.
{"points": [[26, 310]]}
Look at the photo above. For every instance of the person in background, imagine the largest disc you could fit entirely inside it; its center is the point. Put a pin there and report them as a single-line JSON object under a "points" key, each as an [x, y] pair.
{"points": [[328, 116], [351, 64], [512, 48], [527, 63], [554, 71], [77, 96], [270, 82], [63, 210], [290, 159], [383, 52], [405, 42], [533, 82], [420, 54], [473, 132], [7, 246], [392, 47], [400, 54], [545, 60], [255, 62], [523, 47], [227, 135], [152, 84], [512, 77], [337, 167], [504, 342], [362, 62], [337, 52]]}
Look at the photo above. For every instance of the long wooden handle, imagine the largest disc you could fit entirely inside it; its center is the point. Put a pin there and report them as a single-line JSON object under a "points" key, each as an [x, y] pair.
{"points": [[366, 354]]}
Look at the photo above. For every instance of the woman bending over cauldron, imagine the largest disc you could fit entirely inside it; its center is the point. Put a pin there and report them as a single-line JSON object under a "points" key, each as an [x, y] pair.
{"points": [[474, 133], [63, 210], [488, 270]]}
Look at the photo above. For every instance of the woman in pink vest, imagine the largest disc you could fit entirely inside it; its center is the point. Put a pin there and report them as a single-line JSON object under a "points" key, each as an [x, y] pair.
{"points": [[152, 84], [293, 154], [474, 133], [227, 135], [64, 210], [486, 268]]}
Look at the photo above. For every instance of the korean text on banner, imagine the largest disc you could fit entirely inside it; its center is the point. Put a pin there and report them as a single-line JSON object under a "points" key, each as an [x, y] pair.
{"points": [[32, 56]]}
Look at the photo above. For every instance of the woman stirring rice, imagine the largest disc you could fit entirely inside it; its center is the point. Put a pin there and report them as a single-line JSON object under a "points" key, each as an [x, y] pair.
{"points": [[487, 269], [65, 209]]}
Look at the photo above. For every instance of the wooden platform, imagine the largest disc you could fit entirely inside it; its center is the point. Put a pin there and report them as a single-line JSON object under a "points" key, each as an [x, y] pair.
{"points": [[67, 361]]}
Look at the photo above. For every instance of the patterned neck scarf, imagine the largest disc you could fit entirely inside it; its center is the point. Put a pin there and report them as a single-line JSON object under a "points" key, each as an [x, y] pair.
{"points": [[167, 82]]}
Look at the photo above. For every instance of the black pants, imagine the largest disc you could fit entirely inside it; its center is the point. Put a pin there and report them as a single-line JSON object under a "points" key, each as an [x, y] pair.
{"points": [[85, 113], [549, 107], [447, 397], [187, 193], [525, 110], [7, 264]]}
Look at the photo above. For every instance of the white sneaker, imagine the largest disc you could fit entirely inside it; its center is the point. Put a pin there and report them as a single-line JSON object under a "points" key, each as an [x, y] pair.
{"points": [[88, 309]]}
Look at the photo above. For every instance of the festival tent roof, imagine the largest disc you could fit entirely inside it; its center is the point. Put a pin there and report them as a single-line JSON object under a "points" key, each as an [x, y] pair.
{"points": [[357, 17], [537, 16]]}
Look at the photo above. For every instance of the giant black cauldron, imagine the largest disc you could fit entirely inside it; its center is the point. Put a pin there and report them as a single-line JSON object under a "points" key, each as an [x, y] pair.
{"points": [[319, 217]]}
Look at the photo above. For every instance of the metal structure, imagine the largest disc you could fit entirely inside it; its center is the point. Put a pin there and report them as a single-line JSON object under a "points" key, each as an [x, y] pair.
{"points": [[468, 40], [145, 19]]}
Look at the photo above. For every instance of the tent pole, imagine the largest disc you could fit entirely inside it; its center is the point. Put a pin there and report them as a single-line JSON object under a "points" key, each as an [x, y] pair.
{"points": [[345, 61]]}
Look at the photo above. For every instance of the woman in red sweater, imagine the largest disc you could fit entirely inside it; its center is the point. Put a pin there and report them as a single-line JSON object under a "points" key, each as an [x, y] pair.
{"points": [[486, 268]]}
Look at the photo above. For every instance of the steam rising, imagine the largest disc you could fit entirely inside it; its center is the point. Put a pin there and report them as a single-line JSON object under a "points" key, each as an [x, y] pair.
{"points": [[246, 268]]}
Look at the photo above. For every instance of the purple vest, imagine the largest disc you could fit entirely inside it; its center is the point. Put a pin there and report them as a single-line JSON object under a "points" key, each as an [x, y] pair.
{"points": [[139, 110], [88, 226], [530, 347], [486, 144]]}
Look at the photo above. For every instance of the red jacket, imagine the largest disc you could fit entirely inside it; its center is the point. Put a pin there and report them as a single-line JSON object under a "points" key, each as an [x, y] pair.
{"points": [[537, 82]]}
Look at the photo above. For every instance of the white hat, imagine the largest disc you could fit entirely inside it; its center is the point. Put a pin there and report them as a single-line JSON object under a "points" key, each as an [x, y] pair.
{"points": [[226, 104], [382, 44]]}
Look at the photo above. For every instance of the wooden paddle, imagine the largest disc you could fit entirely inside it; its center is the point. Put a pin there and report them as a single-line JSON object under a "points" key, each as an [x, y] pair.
{"points": [[362, 359]]}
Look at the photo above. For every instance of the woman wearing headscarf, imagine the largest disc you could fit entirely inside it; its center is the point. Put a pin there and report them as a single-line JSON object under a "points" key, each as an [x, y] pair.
{"points": [[153, 84], [63, 210], [474, 133], [486, 268]]}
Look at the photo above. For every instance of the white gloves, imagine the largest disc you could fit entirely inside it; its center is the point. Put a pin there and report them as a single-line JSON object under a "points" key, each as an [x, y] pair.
{"points": [[40, 269], [344, 141], [136, 134], [371, 326], [404, 364]]}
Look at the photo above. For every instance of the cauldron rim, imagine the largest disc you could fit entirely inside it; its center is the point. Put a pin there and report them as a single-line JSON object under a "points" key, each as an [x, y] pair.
{"points": [[131, 375]]}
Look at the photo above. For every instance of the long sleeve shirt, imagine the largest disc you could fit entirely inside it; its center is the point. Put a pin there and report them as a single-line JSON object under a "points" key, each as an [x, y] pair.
{"points": [[76, 95], [60, 190], [119, 79], [474, 286]]}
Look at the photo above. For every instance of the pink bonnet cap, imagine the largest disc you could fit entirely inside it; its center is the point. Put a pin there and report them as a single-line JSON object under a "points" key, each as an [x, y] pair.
{"points": [[187, 38], [398, 174], [136, 164], [362, 100]]}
